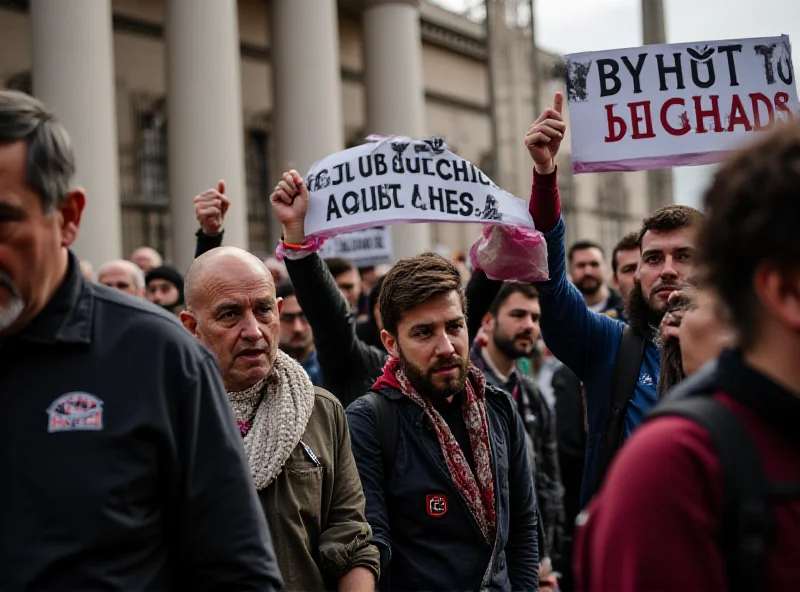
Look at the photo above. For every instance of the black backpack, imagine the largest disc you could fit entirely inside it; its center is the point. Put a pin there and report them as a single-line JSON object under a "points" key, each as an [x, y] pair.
{"points": [[747, 516]]}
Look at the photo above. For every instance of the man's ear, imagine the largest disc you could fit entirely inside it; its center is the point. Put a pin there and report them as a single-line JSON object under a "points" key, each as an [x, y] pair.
{"points": [[189, 321], [70, 213], [280, 305], [390, 343], [779, 293], [615, 282], [488, 322]]}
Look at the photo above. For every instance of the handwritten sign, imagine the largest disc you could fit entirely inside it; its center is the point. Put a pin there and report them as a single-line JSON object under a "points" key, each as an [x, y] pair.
{"points": [[680, 104], [399, 180], [364, 248]]}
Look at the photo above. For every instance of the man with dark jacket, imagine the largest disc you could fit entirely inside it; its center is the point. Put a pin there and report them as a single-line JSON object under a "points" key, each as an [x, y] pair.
{"points": [[668, 517], [588, 342], [512, 327], [457, 510], [114, 478]]}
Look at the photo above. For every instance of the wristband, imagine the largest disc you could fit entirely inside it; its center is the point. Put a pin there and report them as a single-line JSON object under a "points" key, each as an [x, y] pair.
{"points": [[311, 245]]}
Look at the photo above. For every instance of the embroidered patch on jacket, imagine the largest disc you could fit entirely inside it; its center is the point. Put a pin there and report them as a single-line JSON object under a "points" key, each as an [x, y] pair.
{"points": [[75, 411], [436, 505]]}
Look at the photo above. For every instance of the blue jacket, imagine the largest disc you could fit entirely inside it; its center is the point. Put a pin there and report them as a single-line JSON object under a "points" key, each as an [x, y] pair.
{"points": [[446, 552], [588, 343]]}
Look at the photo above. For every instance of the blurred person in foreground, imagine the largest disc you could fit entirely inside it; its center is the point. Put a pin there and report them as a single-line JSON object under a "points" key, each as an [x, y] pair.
{"points": [[295, 435], [664, 519], [114, 478]]}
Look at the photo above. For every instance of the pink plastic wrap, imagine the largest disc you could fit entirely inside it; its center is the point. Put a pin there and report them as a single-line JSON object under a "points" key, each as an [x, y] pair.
{"points": [[511, 253]]}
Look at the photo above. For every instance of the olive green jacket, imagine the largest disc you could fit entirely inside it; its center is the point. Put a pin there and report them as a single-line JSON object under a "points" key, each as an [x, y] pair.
{"points": [[315, 508]]}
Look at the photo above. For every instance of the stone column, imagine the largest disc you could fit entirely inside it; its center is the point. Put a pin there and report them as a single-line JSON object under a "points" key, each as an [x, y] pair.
{"points": [[395, 90], [306, 83], [204, 103], [73, 74]]}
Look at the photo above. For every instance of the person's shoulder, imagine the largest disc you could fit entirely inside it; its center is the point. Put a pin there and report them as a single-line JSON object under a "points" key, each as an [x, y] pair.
{"points": [[137, 318], [326, 400]]}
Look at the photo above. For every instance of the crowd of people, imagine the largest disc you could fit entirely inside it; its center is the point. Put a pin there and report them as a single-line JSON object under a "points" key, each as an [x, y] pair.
{"points": [[299, 423]]}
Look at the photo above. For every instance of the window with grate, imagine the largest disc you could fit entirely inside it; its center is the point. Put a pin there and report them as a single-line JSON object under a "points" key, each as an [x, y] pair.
{"points": [[144, 179], [258, 191]]}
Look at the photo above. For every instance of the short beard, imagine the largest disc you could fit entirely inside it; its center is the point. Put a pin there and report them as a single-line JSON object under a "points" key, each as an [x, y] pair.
{"points": [[641, 315], [11, 313], [671, 372], [299, 353], [423, 383], [507, 346], [588, 290]]}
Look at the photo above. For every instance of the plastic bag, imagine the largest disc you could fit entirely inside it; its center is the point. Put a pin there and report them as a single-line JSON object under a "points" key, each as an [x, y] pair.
{"points": [[511, 253]]}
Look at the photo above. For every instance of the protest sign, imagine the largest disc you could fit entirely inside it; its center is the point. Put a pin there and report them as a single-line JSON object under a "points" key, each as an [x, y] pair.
{"points": [[398, 180], [364, 248], [679, 104]]}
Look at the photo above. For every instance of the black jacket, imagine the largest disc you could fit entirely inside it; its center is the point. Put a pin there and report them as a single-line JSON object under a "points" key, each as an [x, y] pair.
{"points": [[423, 551], [122, 467]]}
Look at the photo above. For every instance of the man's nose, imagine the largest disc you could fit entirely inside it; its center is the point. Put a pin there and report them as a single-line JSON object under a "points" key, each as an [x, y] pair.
{"points": [[250, 329], [669, 271], [444, 347]]}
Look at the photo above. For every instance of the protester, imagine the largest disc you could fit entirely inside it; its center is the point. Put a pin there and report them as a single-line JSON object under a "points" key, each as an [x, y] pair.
{"points": [[296, 338], [123, 276], [512, 327], [165, 288], [349, 366], [452, 508], [295, 435], [587, 267], [624, 262], [146, 259], [113, 477], [347, 279], [684, 506], [592, 344]]}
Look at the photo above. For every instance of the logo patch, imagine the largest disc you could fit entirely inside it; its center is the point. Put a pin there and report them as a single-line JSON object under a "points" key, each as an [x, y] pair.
{"points": [[436, 505], [75, 411]]}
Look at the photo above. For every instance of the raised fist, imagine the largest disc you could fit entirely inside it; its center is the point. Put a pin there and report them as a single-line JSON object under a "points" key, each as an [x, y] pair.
{"points": [[290, 204], [210, 208]]}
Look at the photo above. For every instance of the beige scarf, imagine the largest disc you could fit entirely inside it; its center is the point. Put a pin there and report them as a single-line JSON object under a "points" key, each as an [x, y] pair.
{"points": [[276, 411]]}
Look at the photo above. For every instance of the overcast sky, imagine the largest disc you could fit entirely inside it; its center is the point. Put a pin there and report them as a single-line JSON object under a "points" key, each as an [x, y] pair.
{"points": [[569, 26]]}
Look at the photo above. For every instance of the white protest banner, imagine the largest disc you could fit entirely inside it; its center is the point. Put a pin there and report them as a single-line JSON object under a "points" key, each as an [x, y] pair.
{"points": [[364, 248], [672, 105], [399, 180]]}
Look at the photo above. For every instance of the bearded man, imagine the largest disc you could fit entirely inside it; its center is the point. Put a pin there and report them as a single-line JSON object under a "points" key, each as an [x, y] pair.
{"points": [[454, 508], [295, 435], [618, 364]]}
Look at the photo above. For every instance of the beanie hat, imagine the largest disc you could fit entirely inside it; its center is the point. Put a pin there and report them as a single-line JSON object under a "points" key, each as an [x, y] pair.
{"points": [[169, 274]]}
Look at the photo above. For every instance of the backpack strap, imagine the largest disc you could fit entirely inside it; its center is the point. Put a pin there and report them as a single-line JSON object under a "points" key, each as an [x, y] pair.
{"points": [[623, 384], [747, 517], [386, 428]]}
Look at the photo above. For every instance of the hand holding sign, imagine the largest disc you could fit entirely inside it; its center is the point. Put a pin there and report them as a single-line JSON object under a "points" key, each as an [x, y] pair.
{"points": [[290, 204], [544, 138], [210, 208]]}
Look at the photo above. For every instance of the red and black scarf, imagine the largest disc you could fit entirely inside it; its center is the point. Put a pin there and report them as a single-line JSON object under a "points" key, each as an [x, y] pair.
{"points": [[478, 487]]}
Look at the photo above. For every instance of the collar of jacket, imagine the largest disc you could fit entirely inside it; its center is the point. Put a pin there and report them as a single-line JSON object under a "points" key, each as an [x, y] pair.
{"points": [[67, 318]]}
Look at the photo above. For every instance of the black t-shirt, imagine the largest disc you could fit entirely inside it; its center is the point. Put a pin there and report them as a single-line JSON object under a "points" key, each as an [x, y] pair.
{"points": [[453, 414]]}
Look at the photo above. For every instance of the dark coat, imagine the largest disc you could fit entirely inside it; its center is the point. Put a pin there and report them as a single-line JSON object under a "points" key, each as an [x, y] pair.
{"points": [[446, 552]]}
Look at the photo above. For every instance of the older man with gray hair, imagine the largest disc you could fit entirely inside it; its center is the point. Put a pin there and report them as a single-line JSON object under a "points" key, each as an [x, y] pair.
{"points": [[295, 434], [123, 276]]}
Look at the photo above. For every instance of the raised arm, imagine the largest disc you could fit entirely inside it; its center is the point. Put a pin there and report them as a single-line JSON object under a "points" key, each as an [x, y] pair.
{"points": [[339, 350], [580, 338], [210, 208]]}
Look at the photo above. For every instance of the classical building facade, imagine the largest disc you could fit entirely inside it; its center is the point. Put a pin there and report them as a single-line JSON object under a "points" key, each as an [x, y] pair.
{"points": [[165, 97]]}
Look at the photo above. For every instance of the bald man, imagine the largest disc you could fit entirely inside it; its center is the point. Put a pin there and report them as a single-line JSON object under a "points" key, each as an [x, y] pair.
{"points": [[146, 258], [295, 435], [122, 275]]}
